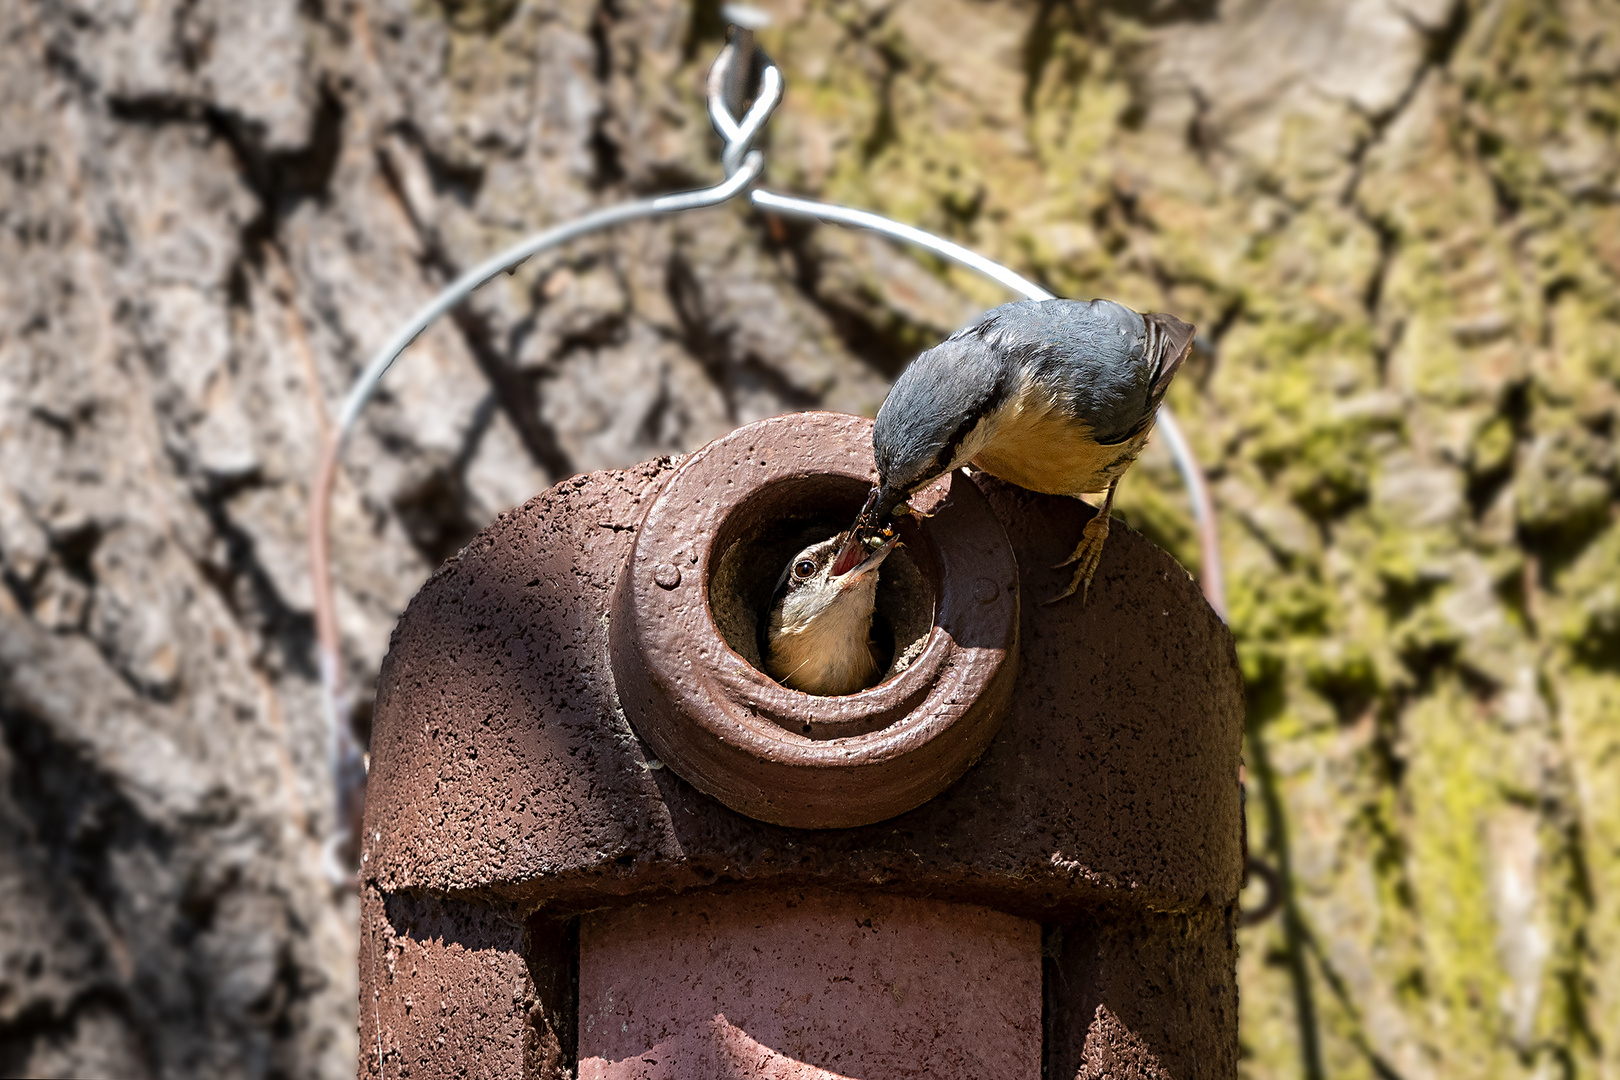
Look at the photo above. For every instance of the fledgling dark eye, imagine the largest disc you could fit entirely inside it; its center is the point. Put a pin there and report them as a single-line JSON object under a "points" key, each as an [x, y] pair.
{"points": [[803, 568]]}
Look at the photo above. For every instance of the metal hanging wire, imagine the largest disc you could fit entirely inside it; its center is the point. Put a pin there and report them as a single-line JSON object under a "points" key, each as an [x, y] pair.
{"points": [[742, 165]]}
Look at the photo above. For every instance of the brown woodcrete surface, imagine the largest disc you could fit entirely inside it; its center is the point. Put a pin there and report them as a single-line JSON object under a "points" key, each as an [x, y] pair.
{"points": [[503, 761]]}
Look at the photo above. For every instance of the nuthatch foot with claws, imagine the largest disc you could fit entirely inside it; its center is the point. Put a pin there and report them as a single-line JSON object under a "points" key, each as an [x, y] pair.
{"points": [[819, 634], [1056, 396]]}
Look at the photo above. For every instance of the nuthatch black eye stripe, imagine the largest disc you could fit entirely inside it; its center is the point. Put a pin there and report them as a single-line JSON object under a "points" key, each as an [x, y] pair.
{"points": [[948, 452]]}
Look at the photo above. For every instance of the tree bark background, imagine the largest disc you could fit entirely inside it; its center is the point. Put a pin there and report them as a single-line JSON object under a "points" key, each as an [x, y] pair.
{"points": [[1397, 222]]}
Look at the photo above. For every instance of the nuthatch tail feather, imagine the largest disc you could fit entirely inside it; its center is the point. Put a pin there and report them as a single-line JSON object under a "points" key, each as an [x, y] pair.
{"points": [[1057, 396], [819, 635]]}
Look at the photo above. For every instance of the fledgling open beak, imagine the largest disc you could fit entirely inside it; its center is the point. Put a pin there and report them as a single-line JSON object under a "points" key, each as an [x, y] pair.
{"points": [[854, 550], [874, 559]]}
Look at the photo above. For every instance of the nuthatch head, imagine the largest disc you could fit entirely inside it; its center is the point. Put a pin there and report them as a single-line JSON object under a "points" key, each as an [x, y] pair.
{"points": [[819, 635], [1057, 396]]}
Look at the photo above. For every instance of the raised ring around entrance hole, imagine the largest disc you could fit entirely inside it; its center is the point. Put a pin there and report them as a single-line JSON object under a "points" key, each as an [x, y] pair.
{"points": [[684, 631]]}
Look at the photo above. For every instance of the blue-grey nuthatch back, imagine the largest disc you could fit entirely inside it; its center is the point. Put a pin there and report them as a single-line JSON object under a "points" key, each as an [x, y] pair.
{"points": [[1056, 396], [819, 635]]}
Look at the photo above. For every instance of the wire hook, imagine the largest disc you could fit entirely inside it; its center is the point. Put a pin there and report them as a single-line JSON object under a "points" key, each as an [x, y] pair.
{"points": [[739, 137]]}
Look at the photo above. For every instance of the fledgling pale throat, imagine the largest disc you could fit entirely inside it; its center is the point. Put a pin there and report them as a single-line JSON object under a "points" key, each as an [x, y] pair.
{"points": [[819, 635], [1056, 396]]}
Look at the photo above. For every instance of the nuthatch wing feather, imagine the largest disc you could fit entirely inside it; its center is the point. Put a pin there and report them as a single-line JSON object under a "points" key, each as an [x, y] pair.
{"points": [[1057, 396]]}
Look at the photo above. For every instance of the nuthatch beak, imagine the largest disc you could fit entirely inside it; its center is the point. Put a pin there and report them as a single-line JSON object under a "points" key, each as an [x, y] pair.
{"points": [[818, 637]]}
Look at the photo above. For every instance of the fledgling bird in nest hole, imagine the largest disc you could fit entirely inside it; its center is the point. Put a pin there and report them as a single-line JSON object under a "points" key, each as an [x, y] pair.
{"points": [[818, 636]]}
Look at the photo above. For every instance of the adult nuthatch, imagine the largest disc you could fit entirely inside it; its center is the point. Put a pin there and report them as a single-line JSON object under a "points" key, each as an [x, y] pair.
{"points": [[819, 635], [1057, 396]]}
